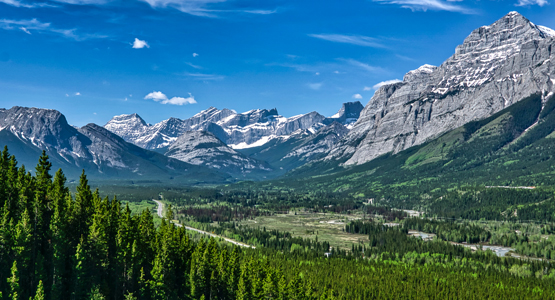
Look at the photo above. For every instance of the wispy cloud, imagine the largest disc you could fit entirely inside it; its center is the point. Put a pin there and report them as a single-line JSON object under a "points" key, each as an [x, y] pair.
{"points": [[18, 3], [363, 66], [83, 2], [339, 66], [195, 54], [540, 3], [34, 25], [425, 5], [357, 96], [139, 44], [358, 40], [204, 8], [379, 85], [200, 76], [194, 66], [163, 99], [315, 86]]}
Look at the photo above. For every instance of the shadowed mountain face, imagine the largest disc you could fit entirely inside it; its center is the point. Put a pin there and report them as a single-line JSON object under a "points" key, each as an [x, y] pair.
{"points": [[203, 148], [494, 68], [102, 154]]}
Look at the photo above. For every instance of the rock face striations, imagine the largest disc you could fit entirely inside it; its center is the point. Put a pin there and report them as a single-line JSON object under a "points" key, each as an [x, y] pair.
{"points": [[495, 67], [203, 148], [103, 154], [238, 130]]}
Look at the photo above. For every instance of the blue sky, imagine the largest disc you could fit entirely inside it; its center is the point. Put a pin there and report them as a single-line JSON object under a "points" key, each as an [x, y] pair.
{"points": [[93, 59]]}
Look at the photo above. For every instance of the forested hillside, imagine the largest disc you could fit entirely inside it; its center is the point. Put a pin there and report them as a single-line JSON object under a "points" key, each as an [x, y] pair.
{"points": [[58, 245]]}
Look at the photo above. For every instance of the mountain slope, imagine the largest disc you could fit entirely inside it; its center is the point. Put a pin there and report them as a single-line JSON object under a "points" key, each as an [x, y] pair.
{"points": [[203, 148], [102, 154], [514, 147], [495, 67]]}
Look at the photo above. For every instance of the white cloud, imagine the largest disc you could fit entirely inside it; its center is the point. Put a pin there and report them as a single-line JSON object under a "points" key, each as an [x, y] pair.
{"points": [[317, 73], [379, 85], [194, 66], [193, 7], [367, 88], [203, 8], [83, 2], [425, 5], [162, 98], [140, 44], [28, 26], [18, 3], [359, 40], [357, 96], [195, 54], [77, 94], [200, 76], [540, 3], [315, 86]]}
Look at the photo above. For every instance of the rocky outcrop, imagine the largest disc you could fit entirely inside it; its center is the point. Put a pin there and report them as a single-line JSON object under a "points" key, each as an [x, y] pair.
{"points": [[203, 148], [320, 143], [495, 67], [347, 115]]}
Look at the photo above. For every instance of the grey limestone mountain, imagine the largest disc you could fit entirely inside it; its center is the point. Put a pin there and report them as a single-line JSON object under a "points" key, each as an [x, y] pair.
{"points": [[203, 148], [495, 67], [28, 131], [318, 144], [347, 115], [239, 130]]}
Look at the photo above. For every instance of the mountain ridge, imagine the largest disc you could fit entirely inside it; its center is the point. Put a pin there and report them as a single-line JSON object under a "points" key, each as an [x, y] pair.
{"points": [[487, 73]]}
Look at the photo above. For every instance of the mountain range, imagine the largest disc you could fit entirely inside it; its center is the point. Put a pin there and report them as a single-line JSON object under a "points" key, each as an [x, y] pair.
{"points": [[491, 99]]}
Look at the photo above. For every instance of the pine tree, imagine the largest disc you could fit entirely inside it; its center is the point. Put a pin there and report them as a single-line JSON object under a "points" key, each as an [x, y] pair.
{"points": [[157, 284], [244, 287], [23, 250], [282, 288], [82, 282], [83, 209], [269, 287], [197, 274], [60, 246], [14, 282], [39, 295]]}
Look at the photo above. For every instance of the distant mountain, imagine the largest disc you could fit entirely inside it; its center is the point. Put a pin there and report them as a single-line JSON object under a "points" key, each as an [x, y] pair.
{"points": [[238, 130], [347, 115], [495, 67], [203, 148], [102, 154]]}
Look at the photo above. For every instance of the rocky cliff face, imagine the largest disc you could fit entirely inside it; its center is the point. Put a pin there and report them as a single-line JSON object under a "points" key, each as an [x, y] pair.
{"points": [[203, 148], [347, 115], [28, 131], [236, 129], [320, 143], [495, 67]]}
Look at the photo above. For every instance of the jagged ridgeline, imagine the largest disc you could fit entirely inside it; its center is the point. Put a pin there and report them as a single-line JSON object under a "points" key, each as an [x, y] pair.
{"points": [[55, 244]]}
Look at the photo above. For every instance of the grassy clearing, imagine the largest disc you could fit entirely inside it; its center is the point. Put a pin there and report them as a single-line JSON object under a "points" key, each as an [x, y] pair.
{"points": [[326, 227], [138, 207]]}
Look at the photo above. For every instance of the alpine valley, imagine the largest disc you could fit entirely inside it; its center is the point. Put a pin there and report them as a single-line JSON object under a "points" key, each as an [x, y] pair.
{"points": [[441, 187], [498, 86]]}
